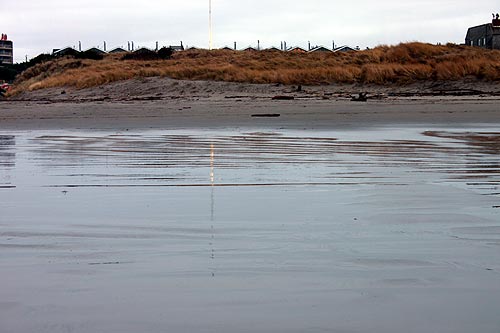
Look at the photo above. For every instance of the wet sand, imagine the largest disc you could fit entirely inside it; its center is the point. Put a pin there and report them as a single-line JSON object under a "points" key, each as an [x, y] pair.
{"points": [[188, 216]]}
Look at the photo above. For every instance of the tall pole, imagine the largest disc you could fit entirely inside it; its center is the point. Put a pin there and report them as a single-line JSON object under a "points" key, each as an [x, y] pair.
{"points": [[209, 24]]}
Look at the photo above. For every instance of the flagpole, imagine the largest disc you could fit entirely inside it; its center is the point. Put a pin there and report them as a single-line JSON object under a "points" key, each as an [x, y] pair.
{"points": [[209, 24]]}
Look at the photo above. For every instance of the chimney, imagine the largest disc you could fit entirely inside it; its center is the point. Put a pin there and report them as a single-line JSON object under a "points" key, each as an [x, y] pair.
{"points": [[156, 46], [496, 21], [104, 46], [235, 46], [281, 47], [309, 46], [284, 45], [258, 45], [80, 46], [333, 45], [132, 46], [182, 46]]}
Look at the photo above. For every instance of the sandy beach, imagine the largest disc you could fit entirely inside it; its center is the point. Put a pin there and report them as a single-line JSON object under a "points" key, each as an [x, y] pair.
{"points": [[225, 210], [164, 103]]}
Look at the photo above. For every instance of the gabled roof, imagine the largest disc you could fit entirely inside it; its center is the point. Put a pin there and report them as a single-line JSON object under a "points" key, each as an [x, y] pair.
{"points": [[95, 50], [142, 53], [144, 50], [118, 50], [480, 31], [227, 48], [250, 49], [344, 48], [65, 51], [272, 48], [296, 49], [320, 49]]}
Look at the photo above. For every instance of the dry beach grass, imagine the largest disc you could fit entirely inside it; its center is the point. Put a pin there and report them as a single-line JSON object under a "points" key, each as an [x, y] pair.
{"points": [[384, 65]]}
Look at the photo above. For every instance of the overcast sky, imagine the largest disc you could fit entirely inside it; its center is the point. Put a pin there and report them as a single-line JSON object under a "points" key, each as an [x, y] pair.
{"points": [[39, 26]]}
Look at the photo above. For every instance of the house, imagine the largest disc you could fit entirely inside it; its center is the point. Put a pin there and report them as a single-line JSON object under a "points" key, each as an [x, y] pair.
{"points": [[272, 48], [227, 48], [117, 50], [486, 35], [345, 48], [250, 49], [144, 51], [95, 50], [142, 54], [320, 49], [296, 49], [67, 51], [6, 50], [177, 48], [92, 53]]}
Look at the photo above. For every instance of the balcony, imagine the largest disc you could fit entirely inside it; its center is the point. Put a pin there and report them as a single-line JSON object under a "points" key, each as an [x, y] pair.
{"points": [[6, 45]]}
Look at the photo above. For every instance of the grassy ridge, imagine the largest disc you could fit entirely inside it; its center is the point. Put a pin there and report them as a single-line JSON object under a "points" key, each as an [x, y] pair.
{"points": [[384, 65]]}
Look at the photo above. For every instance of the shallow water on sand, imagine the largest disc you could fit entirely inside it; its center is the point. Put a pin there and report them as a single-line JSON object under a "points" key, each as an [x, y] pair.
{"points": [[382, 230]]}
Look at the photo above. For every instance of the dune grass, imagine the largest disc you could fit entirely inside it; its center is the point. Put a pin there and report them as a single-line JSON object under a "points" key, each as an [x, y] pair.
{"points": [[384, 65]]}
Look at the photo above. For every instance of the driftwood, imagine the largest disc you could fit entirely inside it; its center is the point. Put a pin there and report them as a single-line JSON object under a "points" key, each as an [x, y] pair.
{"points": [[444, 92], [360, 98], [268, 115]]}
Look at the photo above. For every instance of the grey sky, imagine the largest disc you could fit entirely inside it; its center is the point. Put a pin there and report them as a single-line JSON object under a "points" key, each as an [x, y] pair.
{"points": [[39, 26]]}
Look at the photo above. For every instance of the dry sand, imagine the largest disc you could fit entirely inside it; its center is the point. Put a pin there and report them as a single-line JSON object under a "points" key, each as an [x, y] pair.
{"points": [[166, 103]]}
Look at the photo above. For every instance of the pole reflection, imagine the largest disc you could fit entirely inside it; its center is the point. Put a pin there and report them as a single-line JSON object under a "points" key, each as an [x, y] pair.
{"points": [[212, 208], [7, 159]]}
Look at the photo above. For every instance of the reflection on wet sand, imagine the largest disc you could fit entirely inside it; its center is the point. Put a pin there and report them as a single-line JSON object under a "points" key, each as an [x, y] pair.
{"points": [[7, 159], [480, 163], [266, 159], [7, 154], [212, 207], [487, 142]]}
